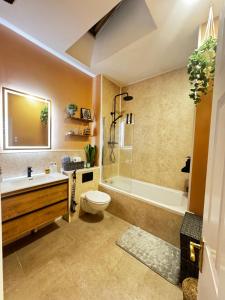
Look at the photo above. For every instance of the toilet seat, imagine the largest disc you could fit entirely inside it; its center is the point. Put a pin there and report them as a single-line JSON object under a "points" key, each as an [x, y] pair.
{"points": [[97, 197]]}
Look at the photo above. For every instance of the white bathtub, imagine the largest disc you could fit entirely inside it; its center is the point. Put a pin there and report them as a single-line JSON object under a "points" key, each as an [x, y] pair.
{"points": [[170, 199]]}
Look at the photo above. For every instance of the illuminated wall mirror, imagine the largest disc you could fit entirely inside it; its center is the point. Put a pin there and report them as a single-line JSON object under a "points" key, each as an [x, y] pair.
{"points": [[26, 121]]}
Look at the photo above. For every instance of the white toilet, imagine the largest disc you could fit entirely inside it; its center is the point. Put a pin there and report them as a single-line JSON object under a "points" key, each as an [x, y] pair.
{"points": [[94, 201]]}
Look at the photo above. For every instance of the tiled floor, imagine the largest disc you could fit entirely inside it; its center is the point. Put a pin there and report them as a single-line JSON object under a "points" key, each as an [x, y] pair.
{"points": [[80, 261]]}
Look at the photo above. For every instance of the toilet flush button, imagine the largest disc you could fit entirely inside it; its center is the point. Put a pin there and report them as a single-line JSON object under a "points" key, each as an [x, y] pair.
{"points": [[97, 197]]}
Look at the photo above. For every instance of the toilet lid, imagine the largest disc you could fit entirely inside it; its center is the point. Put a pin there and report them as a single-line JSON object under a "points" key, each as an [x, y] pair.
{"points": [[97, 197]]}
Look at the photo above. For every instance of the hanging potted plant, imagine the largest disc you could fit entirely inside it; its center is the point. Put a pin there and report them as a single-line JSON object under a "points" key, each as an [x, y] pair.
{"points": [[201, 69], [71, 109], [90, 155], [44, 115]]}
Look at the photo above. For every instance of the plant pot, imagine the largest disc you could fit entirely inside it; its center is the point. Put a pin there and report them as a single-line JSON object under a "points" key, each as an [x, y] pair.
{"points": [[71, 111]]}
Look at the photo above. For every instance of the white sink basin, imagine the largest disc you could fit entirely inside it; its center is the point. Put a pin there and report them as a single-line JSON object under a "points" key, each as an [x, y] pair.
{"points": [[18, 183]]}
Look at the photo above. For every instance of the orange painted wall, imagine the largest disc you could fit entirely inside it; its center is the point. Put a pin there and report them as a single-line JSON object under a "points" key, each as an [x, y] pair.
{"points": [[201, 142], [26, 67], [200, 154]]}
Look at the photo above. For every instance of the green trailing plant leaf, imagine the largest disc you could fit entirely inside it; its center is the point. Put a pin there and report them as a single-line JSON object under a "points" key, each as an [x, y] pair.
{"points": [[72, 106], [44, 115], [90, 154], [201, 69]]}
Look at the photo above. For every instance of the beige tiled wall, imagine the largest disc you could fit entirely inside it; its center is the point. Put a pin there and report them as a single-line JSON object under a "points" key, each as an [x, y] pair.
{"points": [[15, 164], [109, 90], [126, 161], [163, 129]]}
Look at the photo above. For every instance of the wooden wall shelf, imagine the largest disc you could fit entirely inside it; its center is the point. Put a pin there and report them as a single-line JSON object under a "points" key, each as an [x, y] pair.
{"points": [[80, 119], [79, 135]]}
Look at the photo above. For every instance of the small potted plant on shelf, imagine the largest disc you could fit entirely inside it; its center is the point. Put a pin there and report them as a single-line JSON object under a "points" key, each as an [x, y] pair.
{"points": [[90, 155], [71, 109]]}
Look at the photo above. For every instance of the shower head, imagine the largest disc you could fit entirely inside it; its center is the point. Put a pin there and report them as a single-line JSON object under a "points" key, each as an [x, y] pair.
{"points": [[113, 113], [127, 98]]}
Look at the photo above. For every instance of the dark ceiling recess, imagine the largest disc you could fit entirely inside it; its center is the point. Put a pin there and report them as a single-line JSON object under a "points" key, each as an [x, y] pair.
{"points": [[9, 1], [98, 26]]}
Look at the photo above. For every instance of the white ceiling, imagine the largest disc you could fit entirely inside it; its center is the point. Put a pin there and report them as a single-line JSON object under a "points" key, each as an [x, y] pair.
{"points": [[59, 24], [54, 23], [165, 49]]}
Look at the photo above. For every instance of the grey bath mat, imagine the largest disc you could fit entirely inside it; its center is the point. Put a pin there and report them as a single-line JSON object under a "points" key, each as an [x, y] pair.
{"points": [[160, 256]]}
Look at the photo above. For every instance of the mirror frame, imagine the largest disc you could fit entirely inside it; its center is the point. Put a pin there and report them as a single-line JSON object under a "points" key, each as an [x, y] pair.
{"points": [[5, 92]]}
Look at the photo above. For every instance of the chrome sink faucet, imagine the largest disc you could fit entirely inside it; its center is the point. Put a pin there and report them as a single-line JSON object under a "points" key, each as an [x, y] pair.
{"points": [[29, 171]]}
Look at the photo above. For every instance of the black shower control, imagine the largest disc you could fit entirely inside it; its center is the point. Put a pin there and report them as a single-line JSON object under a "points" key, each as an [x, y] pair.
{"points": [[87, 177], [127, 119], [131, 117]]}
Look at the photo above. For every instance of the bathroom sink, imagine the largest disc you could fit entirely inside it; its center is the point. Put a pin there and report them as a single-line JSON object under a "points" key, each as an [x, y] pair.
{"points": [[18, 183]]}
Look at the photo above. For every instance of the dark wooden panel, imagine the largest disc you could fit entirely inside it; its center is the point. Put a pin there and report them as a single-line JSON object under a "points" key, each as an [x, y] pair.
{"points": [[17, 227], [21, 204]]}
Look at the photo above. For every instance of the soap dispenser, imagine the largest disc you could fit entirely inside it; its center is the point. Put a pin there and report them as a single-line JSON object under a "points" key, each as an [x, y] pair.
{"points": [[53, 167]]}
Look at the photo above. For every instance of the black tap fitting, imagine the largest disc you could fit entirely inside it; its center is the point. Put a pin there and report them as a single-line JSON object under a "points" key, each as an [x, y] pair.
{"points": [[29, 171]]}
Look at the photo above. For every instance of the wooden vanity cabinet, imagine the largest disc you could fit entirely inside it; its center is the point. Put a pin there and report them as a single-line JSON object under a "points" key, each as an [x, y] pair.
{"points": [[28, 209]]}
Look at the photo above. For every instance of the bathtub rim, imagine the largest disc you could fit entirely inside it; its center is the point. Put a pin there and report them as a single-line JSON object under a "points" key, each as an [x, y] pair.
{"points": [[146, 200], [148, 183]]}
